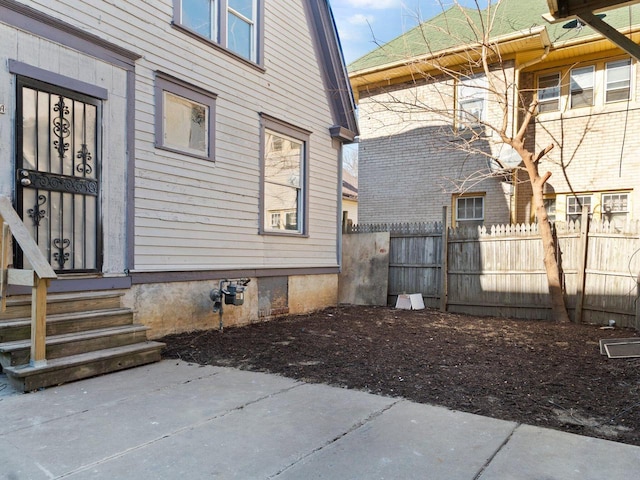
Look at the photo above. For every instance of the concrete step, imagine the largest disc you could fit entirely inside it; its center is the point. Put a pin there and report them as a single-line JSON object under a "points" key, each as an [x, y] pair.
{"points": [[18, 352], [27, 378]]}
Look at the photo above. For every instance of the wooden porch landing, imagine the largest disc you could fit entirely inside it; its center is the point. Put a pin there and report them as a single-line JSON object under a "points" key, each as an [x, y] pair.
{"points": [[88, 334]]}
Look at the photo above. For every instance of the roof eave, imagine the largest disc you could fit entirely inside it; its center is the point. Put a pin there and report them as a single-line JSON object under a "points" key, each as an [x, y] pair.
{"points": [[449, 57]]}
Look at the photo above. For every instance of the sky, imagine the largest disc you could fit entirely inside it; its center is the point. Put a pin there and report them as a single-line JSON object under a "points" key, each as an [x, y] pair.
{"points": [[363, 24]]}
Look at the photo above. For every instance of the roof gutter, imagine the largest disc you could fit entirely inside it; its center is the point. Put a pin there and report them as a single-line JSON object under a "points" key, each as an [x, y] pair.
{"points": [[507, 38]]}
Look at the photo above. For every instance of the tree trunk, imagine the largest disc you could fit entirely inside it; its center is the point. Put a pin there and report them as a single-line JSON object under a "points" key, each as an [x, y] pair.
{"points": [[558, 308]]}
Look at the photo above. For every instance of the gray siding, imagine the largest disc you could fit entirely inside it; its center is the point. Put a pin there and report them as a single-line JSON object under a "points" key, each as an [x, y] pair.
{"points": [[190, 213]]}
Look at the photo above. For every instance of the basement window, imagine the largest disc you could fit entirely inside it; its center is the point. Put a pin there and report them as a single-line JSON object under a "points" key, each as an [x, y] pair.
{"points": [[469, 211], [574, 206]]}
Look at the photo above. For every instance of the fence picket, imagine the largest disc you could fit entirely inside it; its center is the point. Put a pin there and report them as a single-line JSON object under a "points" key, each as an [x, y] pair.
{"points": [[498, 270]]}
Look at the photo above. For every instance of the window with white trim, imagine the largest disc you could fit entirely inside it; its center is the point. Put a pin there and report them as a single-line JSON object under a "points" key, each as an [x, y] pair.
{"points": [[615, 208], [549, 92], [232, 24], [574, 206], [469, 211], [284, 166], [550, 207], [472, 92], [599, 84], [618, 80], [581, 83]]}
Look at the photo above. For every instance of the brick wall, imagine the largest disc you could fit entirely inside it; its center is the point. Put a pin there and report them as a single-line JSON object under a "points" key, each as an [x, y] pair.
{"points": [[597, 150], [411, 163]]}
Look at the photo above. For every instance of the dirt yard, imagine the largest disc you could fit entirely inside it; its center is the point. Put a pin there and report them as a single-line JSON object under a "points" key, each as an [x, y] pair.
{"points": [[532, 372]]}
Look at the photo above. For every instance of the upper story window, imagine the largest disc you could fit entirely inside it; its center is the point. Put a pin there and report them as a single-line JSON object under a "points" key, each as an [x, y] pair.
{"points": [[241, 27], [581, 86], [549, 92], [472, 92], [597, 85], [232, 24], [618, 80]]}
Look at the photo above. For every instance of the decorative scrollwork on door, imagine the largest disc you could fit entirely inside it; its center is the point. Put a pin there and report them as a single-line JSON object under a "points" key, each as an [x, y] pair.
{"points": [[56, 174], [36, 213]]}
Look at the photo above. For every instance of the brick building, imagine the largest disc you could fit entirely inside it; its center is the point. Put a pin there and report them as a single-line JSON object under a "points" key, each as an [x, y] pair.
{"points": [[431, 116]]}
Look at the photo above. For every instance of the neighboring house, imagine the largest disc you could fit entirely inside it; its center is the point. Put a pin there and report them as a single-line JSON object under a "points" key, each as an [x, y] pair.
{"points": [[349, 198], [413, 160], [155, 148]]}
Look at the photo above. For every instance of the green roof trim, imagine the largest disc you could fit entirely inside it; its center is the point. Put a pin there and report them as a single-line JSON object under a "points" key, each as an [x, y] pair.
{"points": [[461, 26]]}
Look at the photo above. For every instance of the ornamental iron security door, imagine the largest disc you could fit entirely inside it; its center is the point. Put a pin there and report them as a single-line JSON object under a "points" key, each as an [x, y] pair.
{"points": [[57, 174]]}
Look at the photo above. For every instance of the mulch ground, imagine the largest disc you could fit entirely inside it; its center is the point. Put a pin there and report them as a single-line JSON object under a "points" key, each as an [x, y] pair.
{"points": [[533, 372]]}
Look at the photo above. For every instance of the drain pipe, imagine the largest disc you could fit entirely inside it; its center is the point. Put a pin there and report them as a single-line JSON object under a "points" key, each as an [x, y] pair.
{"points": [[516, 85]]}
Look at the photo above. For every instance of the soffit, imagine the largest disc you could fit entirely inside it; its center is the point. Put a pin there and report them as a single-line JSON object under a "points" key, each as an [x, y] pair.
{"points": [[562, 9]]}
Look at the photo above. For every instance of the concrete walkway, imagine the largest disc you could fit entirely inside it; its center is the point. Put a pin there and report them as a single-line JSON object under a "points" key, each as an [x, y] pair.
{"points": [[173, 420]]}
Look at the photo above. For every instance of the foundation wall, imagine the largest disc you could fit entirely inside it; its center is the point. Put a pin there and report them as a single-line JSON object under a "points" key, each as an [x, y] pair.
{"points": [[185, 306]]}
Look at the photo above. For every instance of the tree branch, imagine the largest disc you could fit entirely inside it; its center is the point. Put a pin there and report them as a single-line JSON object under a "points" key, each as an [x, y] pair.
{"points": [[527, 118], [547, 149]]}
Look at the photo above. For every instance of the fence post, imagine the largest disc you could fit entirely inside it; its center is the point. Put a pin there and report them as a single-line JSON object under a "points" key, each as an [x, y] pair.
{"points": [[637, 326], [582, 263], [444, 287]]}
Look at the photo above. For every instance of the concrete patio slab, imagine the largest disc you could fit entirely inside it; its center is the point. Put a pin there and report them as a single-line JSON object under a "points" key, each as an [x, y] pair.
{"points": [[534, 453], [409, 441], [174, 420], [256, 441]]}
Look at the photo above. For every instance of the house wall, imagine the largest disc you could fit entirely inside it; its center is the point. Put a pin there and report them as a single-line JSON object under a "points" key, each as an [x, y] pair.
{"points": [[185, 306], [351, 207], [195, 214], [53, 58], [189, 214], [407, 162], [411, 163], [596, 148]]}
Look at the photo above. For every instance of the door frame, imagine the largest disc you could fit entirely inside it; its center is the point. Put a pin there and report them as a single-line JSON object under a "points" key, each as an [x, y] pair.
{"points": [[52, 89]]}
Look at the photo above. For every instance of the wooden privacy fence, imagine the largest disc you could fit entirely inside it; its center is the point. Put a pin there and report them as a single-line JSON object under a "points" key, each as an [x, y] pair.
{"points": [[499, 271]]}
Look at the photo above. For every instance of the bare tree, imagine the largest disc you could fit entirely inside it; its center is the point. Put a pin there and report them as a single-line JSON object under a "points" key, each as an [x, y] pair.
{"points": [[474, 60], [350, 159]]}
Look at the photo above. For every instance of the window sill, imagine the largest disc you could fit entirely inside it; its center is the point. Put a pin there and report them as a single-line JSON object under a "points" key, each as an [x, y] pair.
{"points": [[612, 107], [273, 233], [187, 154]]}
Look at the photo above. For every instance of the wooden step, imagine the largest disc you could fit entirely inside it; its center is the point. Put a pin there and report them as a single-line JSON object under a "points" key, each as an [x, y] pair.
{"points": [[67, 369], [20, 306], [18, 352], [58, 324]]}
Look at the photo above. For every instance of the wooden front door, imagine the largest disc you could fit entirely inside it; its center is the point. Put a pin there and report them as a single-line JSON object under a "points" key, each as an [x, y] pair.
{"points": [[57, 174]]}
